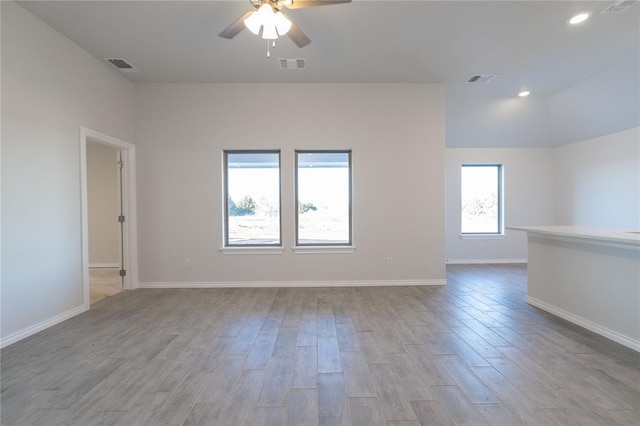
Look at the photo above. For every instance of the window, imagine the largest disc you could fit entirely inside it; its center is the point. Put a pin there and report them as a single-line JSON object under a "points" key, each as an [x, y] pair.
{"points": [[481, 197], [323, 198], [252, 198]]}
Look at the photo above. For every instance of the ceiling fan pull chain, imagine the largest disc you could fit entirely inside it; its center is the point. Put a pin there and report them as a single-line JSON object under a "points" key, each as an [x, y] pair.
{"points": [[268, 52]]}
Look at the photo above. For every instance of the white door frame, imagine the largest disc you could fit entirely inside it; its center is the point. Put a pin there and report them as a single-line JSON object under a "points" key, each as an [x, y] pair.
{"points": [[130, 243]]}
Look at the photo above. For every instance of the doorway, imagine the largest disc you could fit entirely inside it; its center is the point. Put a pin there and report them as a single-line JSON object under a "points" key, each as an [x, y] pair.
{"points": [[104, 202], [109, 263]]}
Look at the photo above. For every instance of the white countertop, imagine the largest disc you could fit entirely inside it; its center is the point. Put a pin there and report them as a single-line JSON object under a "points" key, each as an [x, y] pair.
{"points": [[598, 234]]}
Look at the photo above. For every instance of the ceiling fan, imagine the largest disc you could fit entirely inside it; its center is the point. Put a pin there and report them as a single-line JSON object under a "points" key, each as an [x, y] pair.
{"points": [[268, 17]]}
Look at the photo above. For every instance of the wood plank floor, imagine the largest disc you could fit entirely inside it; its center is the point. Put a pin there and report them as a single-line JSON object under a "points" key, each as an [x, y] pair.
{"points": [[472, 352], [103, 283]]}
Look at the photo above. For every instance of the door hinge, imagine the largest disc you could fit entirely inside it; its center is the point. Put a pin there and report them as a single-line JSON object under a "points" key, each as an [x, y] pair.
{"points": [[123, 272], [120, 164], [121, 219]]}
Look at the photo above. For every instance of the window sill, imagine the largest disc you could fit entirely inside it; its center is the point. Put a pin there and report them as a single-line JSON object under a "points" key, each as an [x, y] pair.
{"points": [[324, 249], [483, 236], [252, 250]]}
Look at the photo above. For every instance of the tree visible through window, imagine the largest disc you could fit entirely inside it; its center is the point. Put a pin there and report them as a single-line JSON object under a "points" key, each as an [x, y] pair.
{"points": [[481, 196], [252, 194], [323, 198]]}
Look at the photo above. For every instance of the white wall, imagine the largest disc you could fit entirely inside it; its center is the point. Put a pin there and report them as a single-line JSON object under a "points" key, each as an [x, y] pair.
{"points": [[528, 200], [521, 122], [397, 136], [606, 103], [103, 205], [50, 87], [598, 182]]}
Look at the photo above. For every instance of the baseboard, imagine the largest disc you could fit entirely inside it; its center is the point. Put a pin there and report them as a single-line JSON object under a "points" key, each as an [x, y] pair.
{"points": [[23, 334], [483, 261], [254, 284], [589, 325], [104, 265]]}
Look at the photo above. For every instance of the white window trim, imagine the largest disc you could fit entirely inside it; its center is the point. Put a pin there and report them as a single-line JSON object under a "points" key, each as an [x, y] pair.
{"points": [[324, 249], [500, 236], [252, 250]]}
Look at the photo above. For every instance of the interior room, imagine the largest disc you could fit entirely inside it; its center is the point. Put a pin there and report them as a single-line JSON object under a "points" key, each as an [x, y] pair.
{"points": [[103, 208], [319, 212]]}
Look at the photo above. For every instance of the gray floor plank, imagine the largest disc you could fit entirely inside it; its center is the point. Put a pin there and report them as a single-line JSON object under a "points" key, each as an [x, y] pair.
{"points": [[471, 385], [328, 355], [394, 402], [260, 353], [269, 416], [219, 385], [204, 414], [245, 339], [415, 385], [498, 415], [333, 406], [326, 325], [347, 338], [431, 413], [458, 407], [305, 370], [275, 388], [302, 407], [470, 352], [285, 345], [307, 333], [357, 376], [526, 411], [372, 351], [242, 400], [366, 412]]}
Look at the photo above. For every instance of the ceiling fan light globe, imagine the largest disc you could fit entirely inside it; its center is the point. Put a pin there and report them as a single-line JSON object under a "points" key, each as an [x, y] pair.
{"points": [[282, 22], [253, 23], [269, 32], [266, 12]]}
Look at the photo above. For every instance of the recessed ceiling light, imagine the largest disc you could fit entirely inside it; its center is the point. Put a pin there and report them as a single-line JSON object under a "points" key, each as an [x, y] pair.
{"points": [[581, 17], [524, 93]]}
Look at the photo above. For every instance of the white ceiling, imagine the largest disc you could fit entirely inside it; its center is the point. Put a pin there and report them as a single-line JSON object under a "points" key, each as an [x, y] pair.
{"points": [[528, 43]]}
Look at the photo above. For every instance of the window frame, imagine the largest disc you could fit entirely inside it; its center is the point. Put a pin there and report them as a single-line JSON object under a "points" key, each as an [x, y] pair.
{"points": [[248, 248], [500, 232], [328, 247]]}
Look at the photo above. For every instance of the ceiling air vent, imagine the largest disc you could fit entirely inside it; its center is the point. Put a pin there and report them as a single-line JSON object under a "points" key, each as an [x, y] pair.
{"points": [[486, 78], [122, 65], [619, 6], [292, 64]]}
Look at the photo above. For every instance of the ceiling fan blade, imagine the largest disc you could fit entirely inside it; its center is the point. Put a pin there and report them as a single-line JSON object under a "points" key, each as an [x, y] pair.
{"points": [[232, 30], [298, 37], [300, 4]]}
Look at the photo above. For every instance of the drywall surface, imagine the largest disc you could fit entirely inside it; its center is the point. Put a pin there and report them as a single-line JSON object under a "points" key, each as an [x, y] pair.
{"points": [[604, 104], [504, 122], [396, 132], [598, 182], [103, 204], [50, 88], [528, 200]]}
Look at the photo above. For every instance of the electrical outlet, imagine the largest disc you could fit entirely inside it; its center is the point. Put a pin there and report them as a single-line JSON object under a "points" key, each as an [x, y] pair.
{"points": [[187, 263], [389, 261]]}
